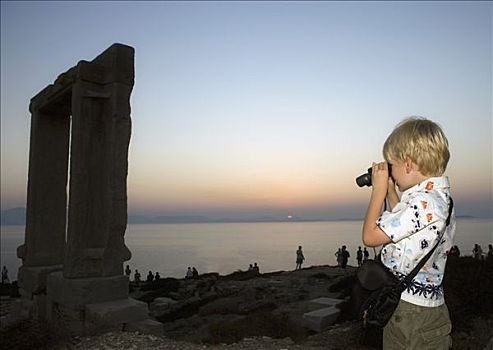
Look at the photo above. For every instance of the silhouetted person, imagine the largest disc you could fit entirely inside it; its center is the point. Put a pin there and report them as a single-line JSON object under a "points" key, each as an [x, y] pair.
{"points": [[189, 273], [366, 254], [359, 256], [157, 277], [457, 251], [345, 257], [150, 276], [490, 251], [250, 268], [128, 272], [195, 273], [477, 252], [338, 255], [299, 258], [137, 277], [256, 269], [454, 251], [5, 275]]}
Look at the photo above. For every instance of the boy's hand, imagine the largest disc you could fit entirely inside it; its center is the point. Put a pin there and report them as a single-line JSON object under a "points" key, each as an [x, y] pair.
{"points": [[372, 234], [391, 186], [392, 196], [380, 178]]}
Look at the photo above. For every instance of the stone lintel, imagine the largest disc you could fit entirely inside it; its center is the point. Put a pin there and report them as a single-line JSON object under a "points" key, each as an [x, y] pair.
{"points": [[32, 280], [120, 58], [75, 293], [99, 74], [114, 65], [53, 100]]}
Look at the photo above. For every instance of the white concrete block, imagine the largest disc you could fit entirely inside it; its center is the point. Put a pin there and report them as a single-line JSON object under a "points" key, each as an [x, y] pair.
{"points": [[320, 319], [327, 301]]}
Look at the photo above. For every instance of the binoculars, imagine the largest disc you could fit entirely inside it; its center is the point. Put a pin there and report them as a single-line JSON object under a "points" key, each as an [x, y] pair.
{"points": [[365, 179]]}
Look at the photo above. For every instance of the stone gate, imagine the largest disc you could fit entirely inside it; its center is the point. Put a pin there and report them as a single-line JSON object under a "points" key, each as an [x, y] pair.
{"points": [[72, 263]]}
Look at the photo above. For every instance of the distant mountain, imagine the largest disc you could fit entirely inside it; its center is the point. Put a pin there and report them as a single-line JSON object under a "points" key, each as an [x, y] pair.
{"points": [[179, 219], [141, 219], [16, 216]]}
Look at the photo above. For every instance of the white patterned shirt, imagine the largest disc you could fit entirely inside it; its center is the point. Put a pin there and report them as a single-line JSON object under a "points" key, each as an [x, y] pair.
{"points": [[414, 225]]}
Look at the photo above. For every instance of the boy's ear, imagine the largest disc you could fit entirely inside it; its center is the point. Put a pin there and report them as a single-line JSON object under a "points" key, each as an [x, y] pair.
{"points": [[410, 165]]}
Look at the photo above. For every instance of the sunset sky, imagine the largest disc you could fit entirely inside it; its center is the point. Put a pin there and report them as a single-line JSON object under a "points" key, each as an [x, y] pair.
{"points": [[247, 109]]}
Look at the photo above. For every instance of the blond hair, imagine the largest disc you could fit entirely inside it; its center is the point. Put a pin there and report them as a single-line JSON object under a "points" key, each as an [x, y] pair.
{"points": [[421, 140]]}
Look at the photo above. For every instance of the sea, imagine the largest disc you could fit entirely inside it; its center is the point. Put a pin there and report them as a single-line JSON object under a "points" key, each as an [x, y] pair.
{"points": [[229, 247]]}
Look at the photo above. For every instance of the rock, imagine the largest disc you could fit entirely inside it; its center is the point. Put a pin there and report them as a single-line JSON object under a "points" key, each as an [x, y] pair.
{"points": [[146, 326], [116, 312], [160, 306]]}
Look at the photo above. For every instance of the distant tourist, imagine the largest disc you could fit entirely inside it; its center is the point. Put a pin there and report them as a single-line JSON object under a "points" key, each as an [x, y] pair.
{"points": [[150, 276], [137, 277], [299, 258], [359, 256], [189, 273], [128, 272], [454, 251], [338, 255], [457, 250], [345, 256], [195, 273], [250, 268], [477, 252], [5, 275], [256, 269], [157, 277], [366, 254], [490, 251]]}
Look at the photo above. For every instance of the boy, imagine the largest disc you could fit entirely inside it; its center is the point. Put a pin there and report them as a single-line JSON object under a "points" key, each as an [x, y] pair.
{"points": [[418, 151]]}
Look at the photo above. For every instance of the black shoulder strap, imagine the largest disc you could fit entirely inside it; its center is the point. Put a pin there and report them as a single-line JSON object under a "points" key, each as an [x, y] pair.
{"points": [[423, 261]]}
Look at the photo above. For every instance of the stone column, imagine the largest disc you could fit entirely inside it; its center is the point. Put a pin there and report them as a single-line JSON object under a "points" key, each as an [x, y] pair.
{"points": [[46, 191], [101, 128], [43, 248], [92, 289]]}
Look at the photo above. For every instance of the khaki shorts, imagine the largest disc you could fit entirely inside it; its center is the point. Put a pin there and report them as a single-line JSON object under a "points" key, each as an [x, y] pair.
{"points": [[418, 327]]}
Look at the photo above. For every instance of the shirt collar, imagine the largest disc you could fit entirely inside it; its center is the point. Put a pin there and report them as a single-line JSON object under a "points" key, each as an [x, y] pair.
{"points": [[432, 183]]}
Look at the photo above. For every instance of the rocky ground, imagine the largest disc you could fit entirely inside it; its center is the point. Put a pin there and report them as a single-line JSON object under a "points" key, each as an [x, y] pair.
{"points": [[225, 309], [241, 311]]}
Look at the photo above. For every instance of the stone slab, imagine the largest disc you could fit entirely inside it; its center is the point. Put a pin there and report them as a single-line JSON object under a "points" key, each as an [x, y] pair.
{"points": [[116, 312], [147, 326], [77, 292], [327, 301], [320, 319]]}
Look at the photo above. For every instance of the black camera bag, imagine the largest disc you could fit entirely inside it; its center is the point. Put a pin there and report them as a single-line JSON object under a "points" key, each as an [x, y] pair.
{"points": [[385, 293], [385, 288]]}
